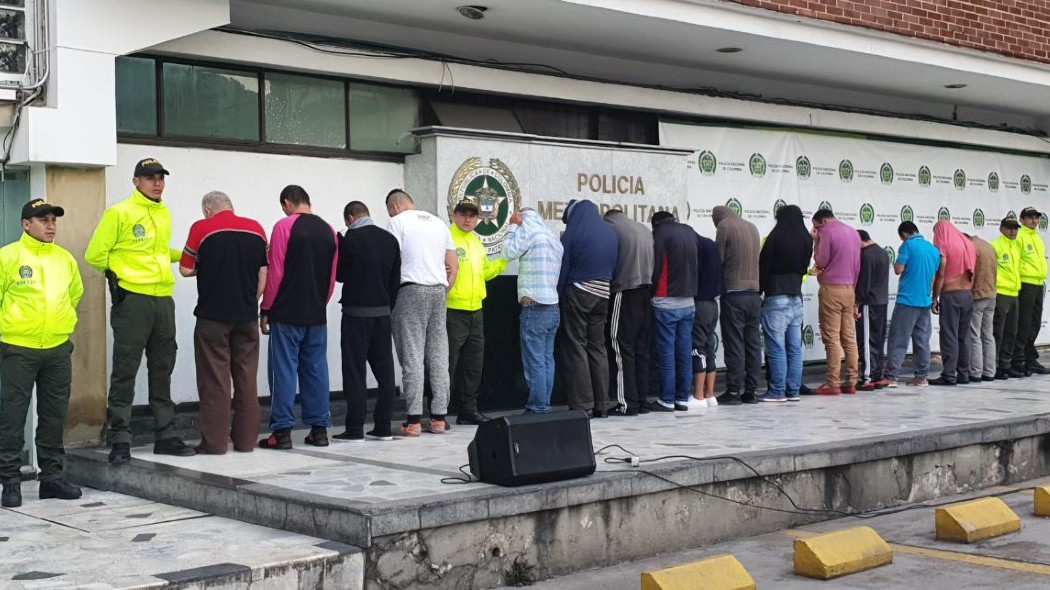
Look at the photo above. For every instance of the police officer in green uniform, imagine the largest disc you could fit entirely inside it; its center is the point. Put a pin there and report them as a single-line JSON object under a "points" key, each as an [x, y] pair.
{"points": [[40, 287], [132, 246]]}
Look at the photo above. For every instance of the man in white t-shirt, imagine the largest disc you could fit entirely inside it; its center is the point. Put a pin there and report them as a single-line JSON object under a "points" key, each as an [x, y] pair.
{"points": [[428, 266]]}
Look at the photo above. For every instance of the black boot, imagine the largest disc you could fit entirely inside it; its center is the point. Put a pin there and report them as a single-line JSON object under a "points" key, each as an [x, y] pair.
{"points": [[12, 496], [59, 488]]}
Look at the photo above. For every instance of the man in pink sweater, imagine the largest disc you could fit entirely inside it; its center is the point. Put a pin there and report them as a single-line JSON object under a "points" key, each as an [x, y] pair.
{"points": [[837, 263]]}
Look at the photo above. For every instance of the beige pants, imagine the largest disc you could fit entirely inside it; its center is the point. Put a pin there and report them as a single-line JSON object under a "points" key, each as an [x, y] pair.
{"points": [[838, 332]]}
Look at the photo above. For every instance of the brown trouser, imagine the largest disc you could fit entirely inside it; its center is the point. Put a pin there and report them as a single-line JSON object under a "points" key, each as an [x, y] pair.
{"points": [[225, 353], [837, 330]]}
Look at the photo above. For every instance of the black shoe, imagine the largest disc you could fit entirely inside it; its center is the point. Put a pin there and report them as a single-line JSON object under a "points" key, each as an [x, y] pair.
{"points": [[962, 381], [120, 453], [471, 419], [805, 390], [631, 412], [318, 437], [658, 407], [942, 381], [643, 408], [680, 407], [12, 496], [596, 413], [173, 446], [349, 436], [1001, 375], [986, 378], [1015, 374], [382, 434], [728, 399], [1037, 369], [749, 397], [278, 439], [59, 488]]}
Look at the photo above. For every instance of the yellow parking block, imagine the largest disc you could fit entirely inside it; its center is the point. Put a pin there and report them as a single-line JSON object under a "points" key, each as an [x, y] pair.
{"points": [[968, 522], [721, 572], [840, 553], [1042, 501]]}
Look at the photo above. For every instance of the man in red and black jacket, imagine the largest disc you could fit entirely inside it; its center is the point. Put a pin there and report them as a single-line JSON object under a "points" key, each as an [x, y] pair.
{"points": [[370, 271], [227, 254], [675, 270]]}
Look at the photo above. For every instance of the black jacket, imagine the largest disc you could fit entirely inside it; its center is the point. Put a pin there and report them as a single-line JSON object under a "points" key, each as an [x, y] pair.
{"points": [[873, 282], [675, 267], [784, 258], [370, 271]]}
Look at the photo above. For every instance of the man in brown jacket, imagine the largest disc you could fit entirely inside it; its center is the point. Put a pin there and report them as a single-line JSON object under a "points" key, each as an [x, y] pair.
{"points": [[741, 313], [982, 335]]}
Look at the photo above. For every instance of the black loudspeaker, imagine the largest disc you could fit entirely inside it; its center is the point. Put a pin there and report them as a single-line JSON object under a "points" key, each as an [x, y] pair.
{"points": [[532, 448]]}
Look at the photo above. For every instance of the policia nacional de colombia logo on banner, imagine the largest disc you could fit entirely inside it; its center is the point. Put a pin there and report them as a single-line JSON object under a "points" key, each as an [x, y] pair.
{"points": [[496, 192]]}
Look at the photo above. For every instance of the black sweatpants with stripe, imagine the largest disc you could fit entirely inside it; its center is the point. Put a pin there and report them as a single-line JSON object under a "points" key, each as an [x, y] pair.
{"points": [[630, 319]]}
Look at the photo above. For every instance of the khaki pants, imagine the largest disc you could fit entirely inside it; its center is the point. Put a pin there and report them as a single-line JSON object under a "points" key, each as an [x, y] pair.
{"points": [[838, 332]]}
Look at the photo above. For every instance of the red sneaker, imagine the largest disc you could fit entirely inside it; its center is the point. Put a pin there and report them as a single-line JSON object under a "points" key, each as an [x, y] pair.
{"points": [[848, 389], [827, 390], [881, 383]]}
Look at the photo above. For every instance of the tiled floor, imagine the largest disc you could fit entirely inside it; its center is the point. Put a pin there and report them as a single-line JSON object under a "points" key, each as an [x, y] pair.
{"points": [[107, 540]]}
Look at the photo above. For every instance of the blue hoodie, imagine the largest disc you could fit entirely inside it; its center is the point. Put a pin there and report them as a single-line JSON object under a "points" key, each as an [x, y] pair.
{"points": [[590, 246]]}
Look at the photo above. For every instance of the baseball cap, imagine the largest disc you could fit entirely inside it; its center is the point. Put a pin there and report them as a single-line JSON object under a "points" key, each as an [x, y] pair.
{"points": [[40, 208], [149, 167], [1009, 224], [1030, 212], [467, 204]]}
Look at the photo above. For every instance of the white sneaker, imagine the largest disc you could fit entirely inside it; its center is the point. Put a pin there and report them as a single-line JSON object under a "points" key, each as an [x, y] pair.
{"points": [[696, 404], [712, 402]]}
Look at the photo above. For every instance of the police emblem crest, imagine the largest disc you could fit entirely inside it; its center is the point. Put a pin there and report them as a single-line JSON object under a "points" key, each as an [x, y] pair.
{"points": [[495, 191]]}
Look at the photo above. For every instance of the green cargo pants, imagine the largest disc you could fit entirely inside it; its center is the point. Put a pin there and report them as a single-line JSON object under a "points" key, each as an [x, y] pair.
{"points": [[142, 323], [51, 370]]}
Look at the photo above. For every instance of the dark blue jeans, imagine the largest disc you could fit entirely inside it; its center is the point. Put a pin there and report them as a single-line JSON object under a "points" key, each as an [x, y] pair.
{"points": [[539, 325], [674, 350], [298, 355]]}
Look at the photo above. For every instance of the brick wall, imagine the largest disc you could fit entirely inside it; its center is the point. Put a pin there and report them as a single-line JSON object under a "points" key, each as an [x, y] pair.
{"points": [[1015, 28]]}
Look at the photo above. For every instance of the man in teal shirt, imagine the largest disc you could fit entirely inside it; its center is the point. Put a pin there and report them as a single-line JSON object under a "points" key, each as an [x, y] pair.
{"points": [[917, 263]]}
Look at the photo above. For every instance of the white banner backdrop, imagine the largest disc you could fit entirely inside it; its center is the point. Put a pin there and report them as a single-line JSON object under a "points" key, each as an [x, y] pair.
{"points": [[871, 185]]}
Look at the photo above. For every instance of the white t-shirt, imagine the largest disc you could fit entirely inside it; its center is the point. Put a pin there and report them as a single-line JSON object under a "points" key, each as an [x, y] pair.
{"points": [[424, 239]]}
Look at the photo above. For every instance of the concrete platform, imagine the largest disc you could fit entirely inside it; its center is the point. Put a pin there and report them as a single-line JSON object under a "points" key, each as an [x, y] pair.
{"points": [[843, 454], [106, 540]]}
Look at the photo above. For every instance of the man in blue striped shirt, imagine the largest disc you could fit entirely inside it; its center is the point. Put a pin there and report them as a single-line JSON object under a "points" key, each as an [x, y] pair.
{"points": [[538, 251]]}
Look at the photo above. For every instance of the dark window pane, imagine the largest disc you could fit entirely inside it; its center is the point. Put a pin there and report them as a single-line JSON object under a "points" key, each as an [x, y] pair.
{"points": [[13, 24], [305, 111], [380, 116], [136, 95], [210, 102]]}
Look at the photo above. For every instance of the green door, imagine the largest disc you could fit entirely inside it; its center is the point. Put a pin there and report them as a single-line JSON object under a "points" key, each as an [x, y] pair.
{"points": [[14, 192]]}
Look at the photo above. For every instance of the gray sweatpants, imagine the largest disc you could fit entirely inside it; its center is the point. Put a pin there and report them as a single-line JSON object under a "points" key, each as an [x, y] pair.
{"points": [[982, 339], [420, 336]]}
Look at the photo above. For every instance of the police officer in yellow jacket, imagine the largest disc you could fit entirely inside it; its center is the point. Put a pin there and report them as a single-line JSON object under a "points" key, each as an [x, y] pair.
{"points": [[466, 328], [1030, 298], [1007, 286], [131, 245], [40, 288]]}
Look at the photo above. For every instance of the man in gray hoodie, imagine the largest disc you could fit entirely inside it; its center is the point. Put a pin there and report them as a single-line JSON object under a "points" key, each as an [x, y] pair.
{"points": [[630, 315], [739, 247]]}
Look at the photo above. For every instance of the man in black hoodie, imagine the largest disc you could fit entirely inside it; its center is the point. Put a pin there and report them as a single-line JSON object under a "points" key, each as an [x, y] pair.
{"points": [[370, 270], [674, 286], [872, 294], [782, 263]]}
